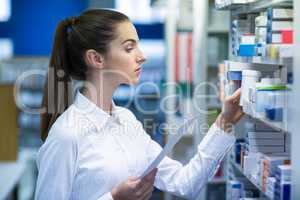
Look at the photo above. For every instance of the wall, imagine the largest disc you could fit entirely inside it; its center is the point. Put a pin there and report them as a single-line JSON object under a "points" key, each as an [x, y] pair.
{"points": [[33, 23]]}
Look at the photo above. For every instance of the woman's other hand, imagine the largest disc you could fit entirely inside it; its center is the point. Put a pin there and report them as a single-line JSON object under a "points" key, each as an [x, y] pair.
{"points": [[231, 112], [135, 189]]}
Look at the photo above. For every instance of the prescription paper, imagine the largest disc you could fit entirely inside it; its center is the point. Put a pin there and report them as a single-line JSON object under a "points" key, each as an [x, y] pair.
{"points": [[185, 128]]}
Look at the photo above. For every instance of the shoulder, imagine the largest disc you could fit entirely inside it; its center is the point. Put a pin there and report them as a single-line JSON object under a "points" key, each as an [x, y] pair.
{"points": [[125, 113], [65, 129]]}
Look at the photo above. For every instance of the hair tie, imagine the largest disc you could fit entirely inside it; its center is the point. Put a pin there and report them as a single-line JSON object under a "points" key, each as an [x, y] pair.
{"points": [[71, 21]]}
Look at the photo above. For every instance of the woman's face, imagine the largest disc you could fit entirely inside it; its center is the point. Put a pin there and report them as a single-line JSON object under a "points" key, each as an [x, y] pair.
{"points": [[124, 56]]}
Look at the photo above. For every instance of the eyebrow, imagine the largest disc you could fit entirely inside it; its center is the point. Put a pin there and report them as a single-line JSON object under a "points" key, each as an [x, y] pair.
{"points": [[130, 40]]}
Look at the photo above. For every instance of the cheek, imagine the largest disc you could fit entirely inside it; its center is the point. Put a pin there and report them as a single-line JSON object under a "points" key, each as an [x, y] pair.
{"points": [[124, 61]]}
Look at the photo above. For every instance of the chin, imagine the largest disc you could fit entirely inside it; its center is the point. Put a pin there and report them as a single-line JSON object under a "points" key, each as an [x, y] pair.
{"points": [[133, 81]]}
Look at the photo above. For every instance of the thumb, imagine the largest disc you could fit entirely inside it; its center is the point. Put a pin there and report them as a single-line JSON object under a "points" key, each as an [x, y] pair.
{"points": [[151, 175], [133, 179], [235, 96]]}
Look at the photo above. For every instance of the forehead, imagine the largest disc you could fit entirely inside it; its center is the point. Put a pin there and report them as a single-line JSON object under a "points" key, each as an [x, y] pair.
{"points": [[126, 30]]}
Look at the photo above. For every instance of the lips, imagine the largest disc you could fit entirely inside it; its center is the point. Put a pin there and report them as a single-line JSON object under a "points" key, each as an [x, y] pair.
{"points": [[138, 69]]}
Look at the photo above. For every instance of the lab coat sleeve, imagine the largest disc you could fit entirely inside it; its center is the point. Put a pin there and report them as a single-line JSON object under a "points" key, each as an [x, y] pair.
{"points": [[187, 180], [57, 163]]}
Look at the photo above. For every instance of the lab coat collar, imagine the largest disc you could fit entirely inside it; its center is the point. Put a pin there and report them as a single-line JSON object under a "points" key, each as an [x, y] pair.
{"points": [[97, 115]]}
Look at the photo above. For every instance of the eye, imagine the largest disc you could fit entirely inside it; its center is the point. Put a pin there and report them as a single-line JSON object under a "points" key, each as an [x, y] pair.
{"points": [[129, 49]]}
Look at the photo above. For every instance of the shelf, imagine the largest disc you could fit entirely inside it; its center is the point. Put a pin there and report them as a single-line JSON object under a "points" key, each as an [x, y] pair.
{"points": [[217, 30], [249, 177], [239, 64], [228, 5], [263, 61], [256, 6], [278, 126], [242, 65]]}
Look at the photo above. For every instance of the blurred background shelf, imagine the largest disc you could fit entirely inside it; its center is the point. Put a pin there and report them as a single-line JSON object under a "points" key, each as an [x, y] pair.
{"points": [[255, 6]]}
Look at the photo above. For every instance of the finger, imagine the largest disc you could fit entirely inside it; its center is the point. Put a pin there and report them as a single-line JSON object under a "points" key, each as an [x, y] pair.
{"points": [[139, 193], [137, 185], [145, 185], [147, 194], [240, 115], [146, 181], [151, 176], [235, 96], [133, 179]]}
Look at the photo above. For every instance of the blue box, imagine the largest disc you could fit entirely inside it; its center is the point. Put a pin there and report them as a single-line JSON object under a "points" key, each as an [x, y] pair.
{"points": [[247, 50]]}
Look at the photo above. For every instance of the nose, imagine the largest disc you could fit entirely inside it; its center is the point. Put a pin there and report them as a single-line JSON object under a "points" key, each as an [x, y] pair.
{"points": [[141, 57]]}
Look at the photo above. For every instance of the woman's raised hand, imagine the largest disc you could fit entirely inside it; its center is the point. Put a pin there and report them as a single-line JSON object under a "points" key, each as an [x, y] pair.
{"points": [[231, 112]]}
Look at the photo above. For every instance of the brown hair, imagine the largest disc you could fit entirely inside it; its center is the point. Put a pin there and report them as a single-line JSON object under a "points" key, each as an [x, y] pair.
{"points": [[93, 29]]}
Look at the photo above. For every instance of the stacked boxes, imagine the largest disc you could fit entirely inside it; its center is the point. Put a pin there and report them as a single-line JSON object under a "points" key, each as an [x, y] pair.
{"points": [[280, 32], [243, 43], [283, 182], [270, 163], [261, 34], [234, 190], [223, 3], [265, 142], [271, 182], [268, 36], [279, 25], [260, 155]]}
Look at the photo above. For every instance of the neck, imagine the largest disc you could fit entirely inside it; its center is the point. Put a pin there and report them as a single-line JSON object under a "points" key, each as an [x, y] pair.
{"points": [[100, 91]]}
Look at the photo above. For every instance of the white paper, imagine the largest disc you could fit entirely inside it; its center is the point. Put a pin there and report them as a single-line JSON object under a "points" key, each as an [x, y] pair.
{"points": [[185, 128]]}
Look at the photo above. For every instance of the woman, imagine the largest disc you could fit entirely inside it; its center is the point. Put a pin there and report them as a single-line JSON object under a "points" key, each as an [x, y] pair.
{"points": [[94, 149]]}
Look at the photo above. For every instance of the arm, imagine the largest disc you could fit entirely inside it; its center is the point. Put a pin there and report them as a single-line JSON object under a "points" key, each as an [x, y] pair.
{"points": [[188, 180]]}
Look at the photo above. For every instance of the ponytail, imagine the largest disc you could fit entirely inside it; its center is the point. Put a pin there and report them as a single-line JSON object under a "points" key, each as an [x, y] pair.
{"points": [[58, 87]]}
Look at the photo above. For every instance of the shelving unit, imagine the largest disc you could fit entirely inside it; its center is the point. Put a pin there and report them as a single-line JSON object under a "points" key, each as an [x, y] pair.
{"points": [[202, 68], [293, 107], [255, 6], [265, 67], [279, 67]]}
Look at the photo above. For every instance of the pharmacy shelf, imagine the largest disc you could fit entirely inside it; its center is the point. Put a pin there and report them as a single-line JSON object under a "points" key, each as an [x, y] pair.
{"points": [[256, 6], [263, 61], [234, 65], [249, 177], [228, 5], [257, 63], [284, 65], [217, 30], [278, 126]]}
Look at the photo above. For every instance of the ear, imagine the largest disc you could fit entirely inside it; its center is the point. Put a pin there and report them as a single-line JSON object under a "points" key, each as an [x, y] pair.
{"points": [[94, 59]]}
